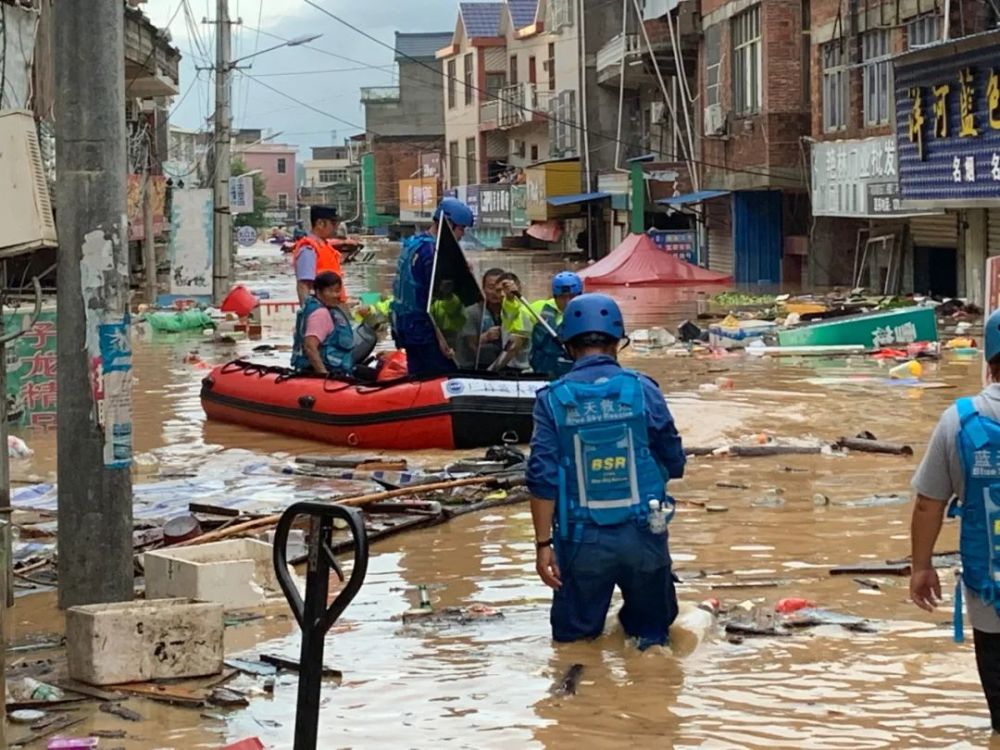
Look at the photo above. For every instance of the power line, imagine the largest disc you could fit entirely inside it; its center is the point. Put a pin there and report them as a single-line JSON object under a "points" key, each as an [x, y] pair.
{"points": [[573, 125]]}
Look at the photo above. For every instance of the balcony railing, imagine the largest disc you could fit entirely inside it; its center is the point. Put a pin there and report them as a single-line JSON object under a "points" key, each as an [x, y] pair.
{"points": [[379, 94], [489, 115], [521, 103], [611, 54]]}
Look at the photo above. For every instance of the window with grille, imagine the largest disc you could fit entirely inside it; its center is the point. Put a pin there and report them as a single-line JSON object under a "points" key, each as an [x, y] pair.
{"points": [[453, 162], [876, 76], [282, 201], [452, 73], [835, 77], [713, 63], [282, 166], [747, 81], [923, 30], [551, 65], [562, 125], [332, 175], [512, 77], [471, 171], [469, 78], [494, 83]]}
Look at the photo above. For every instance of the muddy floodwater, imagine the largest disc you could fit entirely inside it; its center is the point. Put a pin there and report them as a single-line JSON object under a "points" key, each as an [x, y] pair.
{"points": [[488, 684]]}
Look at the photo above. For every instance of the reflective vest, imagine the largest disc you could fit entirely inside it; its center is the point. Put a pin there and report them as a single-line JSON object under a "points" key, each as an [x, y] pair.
{"points": [[337, 351], [979, 509], [406, 292], [547, 355], [448, 314], [327, 259], [607, 474]]}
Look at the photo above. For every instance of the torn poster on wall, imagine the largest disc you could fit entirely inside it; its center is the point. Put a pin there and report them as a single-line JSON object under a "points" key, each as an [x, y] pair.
{"points": [[113, 371]]}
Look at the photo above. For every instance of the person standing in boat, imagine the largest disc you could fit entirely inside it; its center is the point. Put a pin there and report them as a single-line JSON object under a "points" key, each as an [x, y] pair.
{"points": [[961, 473], [315, 254], [604, 446], [324, 337], [427, 351], [548, 355]]}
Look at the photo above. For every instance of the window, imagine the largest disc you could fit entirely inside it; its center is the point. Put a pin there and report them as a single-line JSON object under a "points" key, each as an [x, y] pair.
{"points": [[747, 83], [550, 64], [452, 74], [562, 125], [532, 70], [876, 76], [282, 200], [923, 30], [560, 15], [454, 174], [282, 167], [835, 77], [534, 153], [327, 176], [512, 77], [471, 171], [494, 83], [469, 79], [713, 63]]}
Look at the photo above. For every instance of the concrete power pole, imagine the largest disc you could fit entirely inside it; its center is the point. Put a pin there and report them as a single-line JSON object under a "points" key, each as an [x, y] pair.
{"points": [[223, 224], [94, 449]]}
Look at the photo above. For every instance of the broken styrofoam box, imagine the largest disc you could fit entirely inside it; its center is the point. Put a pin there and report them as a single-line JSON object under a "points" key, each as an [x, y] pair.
{"points": [[237, 573], [109, 644]]}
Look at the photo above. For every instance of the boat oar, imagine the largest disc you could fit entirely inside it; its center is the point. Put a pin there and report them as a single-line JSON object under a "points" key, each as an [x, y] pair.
{"points": [[359, 501]]}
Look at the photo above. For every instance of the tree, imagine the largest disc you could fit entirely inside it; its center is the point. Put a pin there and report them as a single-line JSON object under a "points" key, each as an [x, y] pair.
{"points": [[260, 201]]}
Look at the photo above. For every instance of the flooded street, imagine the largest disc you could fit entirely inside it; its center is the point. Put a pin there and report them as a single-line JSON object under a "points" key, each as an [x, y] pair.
{"points": [[487, 684]]}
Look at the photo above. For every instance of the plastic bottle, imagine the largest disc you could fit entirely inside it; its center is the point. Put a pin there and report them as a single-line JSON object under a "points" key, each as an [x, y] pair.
{"points": [[910, 369], [657, 520]]}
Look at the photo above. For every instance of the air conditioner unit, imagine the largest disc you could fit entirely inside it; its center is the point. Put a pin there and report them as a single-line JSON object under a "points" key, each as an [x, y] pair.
{"points": [[26, 221], [715, 123], [656, 111], [133, 110]]}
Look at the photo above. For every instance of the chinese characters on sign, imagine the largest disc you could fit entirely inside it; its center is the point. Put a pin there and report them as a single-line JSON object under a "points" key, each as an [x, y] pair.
{"points": [[887, 336], [31, 370], [494, 205], [855, 178], [948, 125]]}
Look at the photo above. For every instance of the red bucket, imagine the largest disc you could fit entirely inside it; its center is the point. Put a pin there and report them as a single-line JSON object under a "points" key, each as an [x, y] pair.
{"points": [[240, 301]]}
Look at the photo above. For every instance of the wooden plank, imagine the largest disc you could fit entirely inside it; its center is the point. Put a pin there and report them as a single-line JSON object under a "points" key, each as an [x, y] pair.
{"points": [[872, 568], [88, 690], [172, 694]]}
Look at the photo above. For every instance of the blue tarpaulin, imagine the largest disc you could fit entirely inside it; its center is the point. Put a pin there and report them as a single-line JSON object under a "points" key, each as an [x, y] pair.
{"points": [[683, 200], [569, 200]]}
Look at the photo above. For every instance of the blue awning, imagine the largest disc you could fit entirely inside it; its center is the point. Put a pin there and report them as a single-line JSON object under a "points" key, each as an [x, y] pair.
{"points": [[701, 195], [569, 200]]}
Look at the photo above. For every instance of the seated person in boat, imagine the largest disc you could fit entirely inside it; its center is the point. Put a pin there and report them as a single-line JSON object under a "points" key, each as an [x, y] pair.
{"points": [[479, 344], [324, 338], [515, 326], [427, 350], [314, 254], [548, 355]]}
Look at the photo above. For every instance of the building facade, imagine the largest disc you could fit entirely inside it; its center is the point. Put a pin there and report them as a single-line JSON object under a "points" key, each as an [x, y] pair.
{"points": [[275, 162]]}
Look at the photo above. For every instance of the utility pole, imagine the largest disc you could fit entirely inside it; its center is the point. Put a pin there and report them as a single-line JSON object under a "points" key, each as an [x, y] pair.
{"points": [[223, 224], [148, 241], [94, 448]]}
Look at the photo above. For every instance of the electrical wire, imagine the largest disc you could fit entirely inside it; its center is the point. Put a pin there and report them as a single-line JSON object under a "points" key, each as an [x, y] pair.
{"points": [[573, 125]]}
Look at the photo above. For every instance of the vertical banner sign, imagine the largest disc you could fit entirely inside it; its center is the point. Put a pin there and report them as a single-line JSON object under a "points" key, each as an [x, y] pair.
{"points": [[31, 369], [241, 195], [191, 243], [115, 392]]}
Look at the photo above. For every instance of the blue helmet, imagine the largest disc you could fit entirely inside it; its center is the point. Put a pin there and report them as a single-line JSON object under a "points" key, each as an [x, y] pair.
{"points": [[592, 313], [991, 336], [457, 212], [566, 282]]}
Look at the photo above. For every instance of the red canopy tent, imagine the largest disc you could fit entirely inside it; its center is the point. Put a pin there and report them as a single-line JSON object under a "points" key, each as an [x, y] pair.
{"points": [[639, 261]]}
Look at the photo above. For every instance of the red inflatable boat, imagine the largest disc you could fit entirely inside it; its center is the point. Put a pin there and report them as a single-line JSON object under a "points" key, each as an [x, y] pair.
{"points": [[457, 411]]}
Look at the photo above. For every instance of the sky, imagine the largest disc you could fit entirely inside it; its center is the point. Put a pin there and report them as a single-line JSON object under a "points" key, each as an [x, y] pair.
{"points": [[290, 69]]}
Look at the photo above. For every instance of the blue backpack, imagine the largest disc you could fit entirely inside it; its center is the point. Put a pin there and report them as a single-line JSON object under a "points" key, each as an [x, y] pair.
{"points": [[979, 509], [607, 474]]}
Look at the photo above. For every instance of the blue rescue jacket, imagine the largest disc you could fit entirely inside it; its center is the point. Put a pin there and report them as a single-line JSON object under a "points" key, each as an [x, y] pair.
{"points": [[337, 350], [411, 324], [979, 509], [607, 474], [547, 355]]}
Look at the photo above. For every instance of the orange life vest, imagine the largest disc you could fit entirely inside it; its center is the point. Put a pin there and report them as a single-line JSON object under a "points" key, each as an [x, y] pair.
{"points": [[327, 258]]}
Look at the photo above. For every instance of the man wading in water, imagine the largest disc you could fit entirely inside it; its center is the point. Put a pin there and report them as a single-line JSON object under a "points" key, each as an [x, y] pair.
{"points": [[603, 448], [962, 465]]}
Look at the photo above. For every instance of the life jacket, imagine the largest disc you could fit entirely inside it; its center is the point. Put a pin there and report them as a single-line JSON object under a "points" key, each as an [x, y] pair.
{"points": [[607, 474], [337, 350], [393, 366], [547, 355], [979, 509], [405, 291], [327, 259], [448, 314]]}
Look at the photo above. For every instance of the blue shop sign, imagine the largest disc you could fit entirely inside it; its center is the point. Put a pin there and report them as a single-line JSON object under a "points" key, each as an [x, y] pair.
{"points": [[948, 126]]}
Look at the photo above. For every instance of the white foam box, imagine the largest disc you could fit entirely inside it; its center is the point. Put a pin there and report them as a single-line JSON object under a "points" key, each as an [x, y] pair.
{"points": [[109, 644], [237, 573]]}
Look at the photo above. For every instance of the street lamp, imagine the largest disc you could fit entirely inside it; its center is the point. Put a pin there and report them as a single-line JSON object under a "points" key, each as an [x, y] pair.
{"points": [[296, 42]]}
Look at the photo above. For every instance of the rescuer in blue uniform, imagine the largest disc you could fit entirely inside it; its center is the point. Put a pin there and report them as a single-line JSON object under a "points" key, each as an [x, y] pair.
{"points": [[603, 448], [427, 351], [548, 356], [961, 472]]}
